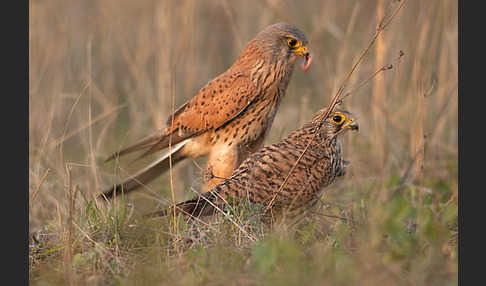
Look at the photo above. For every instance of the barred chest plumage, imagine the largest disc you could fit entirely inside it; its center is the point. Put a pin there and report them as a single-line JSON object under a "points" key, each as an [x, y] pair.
{"points": [[323, 162], [335, 162]]}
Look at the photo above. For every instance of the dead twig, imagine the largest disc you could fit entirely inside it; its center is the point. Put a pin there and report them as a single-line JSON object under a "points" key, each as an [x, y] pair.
{"points": [[37, 189], [65, 137], [364, 82], [69, 247]]}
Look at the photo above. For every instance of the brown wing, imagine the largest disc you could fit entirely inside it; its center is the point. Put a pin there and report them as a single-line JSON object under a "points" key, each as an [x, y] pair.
{"points": [[221, 100], [218, 102]]}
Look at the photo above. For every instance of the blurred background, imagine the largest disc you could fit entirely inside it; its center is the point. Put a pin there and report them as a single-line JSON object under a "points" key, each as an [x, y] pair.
{"points": [[103, 75]]}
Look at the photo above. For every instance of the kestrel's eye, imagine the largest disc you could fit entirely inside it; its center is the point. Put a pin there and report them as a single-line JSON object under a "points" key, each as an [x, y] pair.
{"points": [[338, 119], [293, 43]]}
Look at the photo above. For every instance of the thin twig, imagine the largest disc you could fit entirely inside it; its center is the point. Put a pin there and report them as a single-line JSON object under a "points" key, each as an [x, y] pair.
{"points": [[170, 155], [37, 189], [451, 199], [405, 176], [99, 245], [69, 251], [364, 82], [75, 132], [227, 216], [234, 27], [331, 216], [91, 155]]}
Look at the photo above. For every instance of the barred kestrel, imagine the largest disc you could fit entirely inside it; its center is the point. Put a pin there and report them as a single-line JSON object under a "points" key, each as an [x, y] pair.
{"points": [[260, 177], [229, 117]]}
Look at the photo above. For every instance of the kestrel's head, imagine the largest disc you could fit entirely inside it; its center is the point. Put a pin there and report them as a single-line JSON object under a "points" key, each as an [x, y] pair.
{"points": [[338, 122], [286, 42]]}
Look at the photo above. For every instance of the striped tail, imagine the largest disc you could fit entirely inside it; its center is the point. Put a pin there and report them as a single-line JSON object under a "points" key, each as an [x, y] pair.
{"points": [[147, 174], [201, 206]]}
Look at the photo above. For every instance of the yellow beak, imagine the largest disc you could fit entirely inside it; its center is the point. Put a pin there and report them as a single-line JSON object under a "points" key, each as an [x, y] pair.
{"points": [[351, 124], [301, 51]]}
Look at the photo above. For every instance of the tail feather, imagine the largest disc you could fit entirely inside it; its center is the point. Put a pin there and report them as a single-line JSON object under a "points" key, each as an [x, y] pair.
{"points": [[160, 144], [155, 143], [144, 143], [147, 174], [201, 206]]}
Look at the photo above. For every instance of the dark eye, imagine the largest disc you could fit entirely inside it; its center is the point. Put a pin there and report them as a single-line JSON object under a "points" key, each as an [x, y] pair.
{"points": [[337, 118], [292, 43]]}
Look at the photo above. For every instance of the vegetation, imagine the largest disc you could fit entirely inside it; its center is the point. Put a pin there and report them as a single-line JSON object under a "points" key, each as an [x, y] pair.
{"points": [[104, 74]]}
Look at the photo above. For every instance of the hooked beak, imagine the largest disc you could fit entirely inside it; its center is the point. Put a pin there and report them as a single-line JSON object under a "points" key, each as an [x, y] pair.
{"points": [[303, 52], [351, 124]]}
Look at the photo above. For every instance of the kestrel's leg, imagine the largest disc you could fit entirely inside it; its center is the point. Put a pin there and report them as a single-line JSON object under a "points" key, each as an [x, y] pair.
{"points": [[221, 164], [252, 148], [224, 160]]}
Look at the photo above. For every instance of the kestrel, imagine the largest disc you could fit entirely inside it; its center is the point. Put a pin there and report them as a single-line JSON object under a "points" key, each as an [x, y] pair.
{"points": [[230, 116], [260, 177]]}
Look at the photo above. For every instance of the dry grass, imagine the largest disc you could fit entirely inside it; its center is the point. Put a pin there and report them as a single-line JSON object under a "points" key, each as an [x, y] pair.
{"points": [[104, 74]]}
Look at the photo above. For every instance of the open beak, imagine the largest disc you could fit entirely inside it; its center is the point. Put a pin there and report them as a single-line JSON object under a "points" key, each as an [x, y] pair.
{"points": [[351, 124], [303, 52]]}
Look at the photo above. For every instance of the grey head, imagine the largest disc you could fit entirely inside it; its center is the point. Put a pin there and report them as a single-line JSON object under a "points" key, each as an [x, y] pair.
{"points": [[283, 41]]}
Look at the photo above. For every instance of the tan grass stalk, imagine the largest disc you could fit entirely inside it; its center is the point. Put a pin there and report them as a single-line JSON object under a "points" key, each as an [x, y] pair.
{"points": [[89, 124], [233, 25], [68, 255], [37, 189], [92, 158], [417, 143], [170, 159], [378, 95]]}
